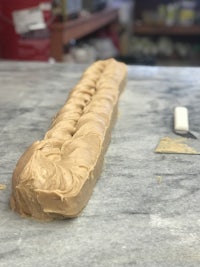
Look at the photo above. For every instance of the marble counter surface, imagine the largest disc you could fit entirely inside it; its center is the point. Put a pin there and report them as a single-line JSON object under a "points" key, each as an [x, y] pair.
{"points": [[145, 209]]}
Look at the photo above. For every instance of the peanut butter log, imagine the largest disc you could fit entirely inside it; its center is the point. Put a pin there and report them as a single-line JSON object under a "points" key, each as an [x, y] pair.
{"points": [[55, 177]]}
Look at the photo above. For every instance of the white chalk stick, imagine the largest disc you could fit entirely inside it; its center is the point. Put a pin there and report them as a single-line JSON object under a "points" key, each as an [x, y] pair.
{"points": [[181, 121]]}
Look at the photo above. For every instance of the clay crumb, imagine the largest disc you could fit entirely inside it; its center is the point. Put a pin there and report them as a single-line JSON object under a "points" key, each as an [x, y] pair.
{"points": [[159, 179], [2, 186]]}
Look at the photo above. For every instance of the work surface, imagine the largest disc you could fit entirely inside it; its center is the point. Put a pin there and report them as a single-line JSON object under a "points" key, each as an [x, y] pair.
{"points": [[145, 208]]}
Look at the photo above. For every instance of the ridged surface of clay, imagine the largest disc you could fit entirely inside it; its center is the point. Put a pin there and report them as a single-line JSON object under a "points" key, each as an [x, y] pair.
{"points": [[54, 177]]}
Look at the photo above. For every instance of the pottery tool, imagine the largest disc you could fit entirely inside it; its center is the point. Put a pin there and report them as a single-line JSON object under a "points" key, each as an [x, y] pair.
{"points": [[180, 140]]}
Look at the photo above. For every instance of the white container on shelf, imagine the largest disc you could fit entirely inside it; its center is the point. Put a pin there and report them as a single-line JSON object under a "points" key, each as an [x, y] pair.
{"points": [[187, 13]]}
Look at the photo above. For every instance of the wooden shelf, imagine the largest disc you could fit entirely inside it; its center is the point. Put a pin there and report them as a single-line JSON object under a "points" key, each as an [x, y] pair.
{"points": [[62, 33], [166, 30]]}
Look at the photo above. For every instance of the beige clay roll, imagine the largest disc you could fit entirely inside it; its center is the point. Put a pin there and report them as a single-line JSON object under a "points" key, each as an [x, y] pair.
{"points": [[55, 177]]}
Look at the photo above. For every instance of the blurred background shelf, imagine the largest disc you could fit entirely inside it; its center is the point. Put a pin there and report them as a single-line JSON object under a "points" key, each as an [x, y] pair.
{"points": [[62, 32], [166, 30]]}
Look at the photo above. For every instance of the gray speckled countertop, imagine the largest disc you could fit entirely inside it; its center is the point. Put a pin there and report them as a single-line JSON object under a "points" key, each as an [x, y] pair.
{"points": [[145, 209]]}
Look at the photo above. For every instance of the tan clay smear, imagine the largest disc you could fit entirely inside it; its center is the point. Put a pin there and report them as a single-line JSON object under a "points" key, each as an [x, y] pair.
{"points": [[169, 145]]}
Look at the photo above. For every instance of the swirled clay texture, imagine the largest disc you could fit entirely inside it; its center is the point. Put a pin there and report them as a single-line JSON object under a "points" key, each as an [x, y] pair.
{"points": [[55, 177]]}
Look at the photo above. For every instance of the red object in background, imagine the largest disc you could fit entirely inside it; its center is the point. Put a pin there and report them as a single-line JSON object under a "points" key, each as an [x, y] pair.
{"points": [[0, 32], [33, 45], [111, 32]]}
